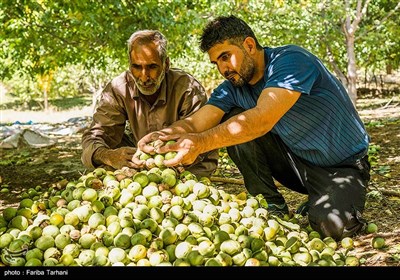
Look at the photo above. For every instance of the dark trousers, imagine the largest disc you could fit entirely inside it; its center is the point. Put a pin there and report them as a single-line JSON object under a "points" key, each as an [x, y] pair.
{"points": [[336, 194]]}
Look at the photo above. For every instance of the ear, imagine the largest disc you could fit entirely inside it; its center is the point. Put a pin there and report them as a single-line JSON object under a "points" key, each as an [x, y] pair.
{"points": [[167, 64], [250, 45]]}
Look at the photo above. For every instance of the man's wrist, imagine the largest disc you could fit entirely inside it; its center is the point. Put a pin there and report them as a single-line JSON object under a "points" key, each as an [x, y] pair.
{"points": [[100, 156]]}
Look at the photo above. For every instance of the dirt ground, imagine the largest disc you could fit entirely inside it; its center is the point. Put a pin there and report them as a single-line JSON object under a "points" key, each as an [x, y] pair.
{"points": [[24, 168]]}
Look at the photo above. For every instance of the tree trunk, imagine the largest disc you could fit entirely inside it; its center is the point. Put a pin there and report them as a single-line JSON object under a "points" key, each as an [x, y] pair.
{"points": [[389, 68], [350, 27], [351, 69], [46, 99]]}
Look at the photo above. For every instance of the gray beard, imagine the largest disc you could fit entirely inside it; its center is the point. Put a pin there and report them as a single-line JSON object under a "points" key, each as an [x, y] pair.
{"points": [[154, 89]]}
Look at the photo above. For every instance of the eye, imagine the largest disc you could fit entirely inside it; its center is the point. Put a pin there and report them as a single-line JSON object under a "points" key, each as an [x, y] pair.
{"points": [[225, 57], [136, 66], [153, 66]]}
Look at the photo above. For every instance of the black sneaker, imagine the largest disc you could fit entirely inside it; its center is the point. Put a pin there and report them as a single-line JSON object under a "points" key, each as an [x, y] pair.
{"points": [[303, 208], [278, 209]]}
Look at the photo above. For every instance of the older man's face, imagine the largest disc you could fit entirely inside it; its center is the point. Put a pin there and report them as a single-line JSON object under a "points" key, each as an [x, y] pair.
{"points": [[147, 68]]}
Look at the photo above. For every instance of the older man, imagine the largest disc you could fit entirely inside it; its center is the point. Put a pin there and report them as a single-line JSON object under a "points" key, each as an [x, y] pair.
{"points": [[148, 97]]}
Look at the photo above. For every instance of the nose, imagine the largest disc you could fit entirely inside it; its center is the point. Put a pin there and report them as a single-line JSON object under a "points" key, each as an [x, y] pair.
{"points": [[145, 75]]}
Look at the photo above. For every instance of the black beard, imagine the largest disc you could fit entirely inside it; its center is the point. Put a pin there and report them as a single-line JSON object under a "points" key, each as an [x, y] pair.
{"points": [[246, 72]]}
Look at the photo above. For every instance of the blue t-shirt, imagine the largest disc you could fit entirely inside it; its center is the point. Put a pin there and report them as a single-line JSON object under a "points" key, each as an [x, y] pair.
{"points": [[323, 126]]}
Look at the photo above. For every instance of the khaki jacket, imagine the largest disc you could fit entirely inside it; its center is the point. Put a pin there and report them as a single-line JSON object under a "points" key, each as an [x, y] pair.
{"points": [[122, 116]]}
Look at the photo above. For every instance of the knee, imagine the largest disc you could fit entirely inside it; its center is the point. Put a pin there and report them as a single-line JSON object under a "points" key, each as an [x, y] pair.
{"points": [[334, 223], [331, 224]]}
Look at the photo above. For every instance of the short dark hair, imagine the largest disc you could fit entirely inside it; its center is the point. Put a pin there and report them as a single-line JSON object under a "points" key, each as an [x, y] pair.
{"points": [[223, 28]]}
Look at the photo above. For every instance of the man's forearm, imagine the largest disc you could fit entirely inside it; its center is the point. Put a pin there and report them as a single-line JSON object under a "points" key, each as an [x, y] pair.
{"points": [[178, 127], [236, 130]]}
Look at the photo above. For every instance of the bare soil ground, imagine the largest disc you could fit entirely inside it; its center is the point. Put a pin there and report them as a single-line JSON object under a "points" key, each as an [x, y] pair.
{"points": [[24, 168]]}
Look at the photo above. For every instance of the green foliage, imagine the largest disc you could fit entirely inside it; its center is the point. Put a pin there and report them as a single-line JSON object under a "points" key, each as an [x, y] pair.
{"points": [[373, 154], [16, 158], [24, 87], [375, 195], [66, 103], [74, 80], [82, 44], [380, 28], [374, 123], [383, 170]]}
